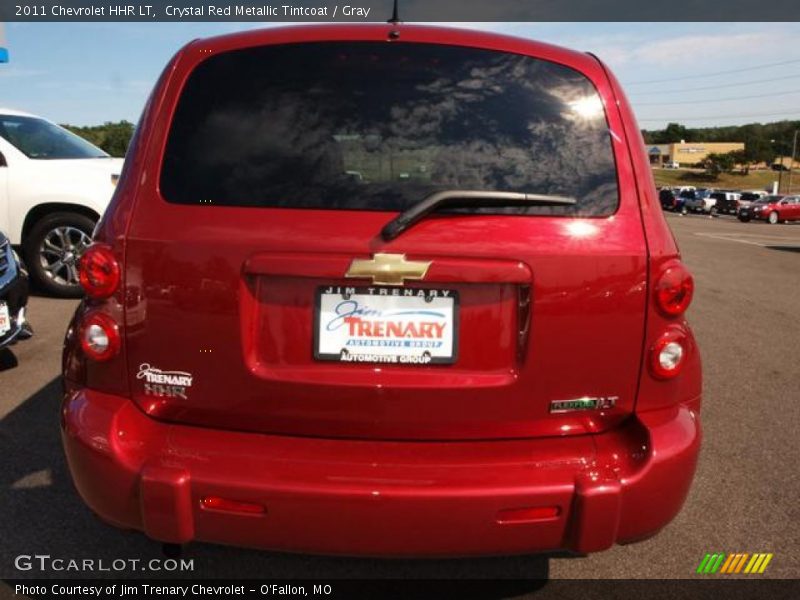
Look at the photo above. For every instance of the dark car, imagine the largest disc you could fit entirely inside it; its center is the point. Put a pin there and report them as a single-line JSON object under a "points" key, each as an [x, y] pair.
{"points": [[727, 202], [747, 198], [671, 199], [13, 296], [471, 348]]}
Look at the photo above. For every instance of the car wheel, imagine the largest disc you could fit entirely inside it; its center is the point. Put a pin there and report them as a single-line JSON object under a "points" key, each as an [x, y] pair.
{"points": [[773, 218], [744, 219], [684, 210], [713, 212], [52, 249]]}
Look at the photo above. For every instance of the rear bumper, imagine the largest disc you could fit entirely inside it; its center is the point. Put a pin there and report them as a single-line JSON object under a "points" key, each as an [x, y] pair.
{"points": [[379, 498]]}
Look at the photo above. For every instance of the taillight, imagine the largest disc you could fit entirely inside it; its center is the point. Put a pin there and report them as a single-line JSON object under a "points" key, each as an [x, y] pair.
{"points": [[99, 335], [668, 354], [674, 289], [99, 271], [226, 505]]}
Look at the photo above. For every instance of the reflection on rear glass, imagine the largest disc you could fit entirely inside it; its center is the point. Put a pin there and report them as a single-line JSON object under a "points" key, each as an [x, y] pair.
{"points": [[379, 126]]}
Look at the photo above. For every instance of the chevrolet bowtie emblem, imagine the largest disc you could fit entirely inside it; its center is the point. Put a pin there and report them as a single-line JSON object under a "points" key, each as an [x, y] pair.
{"points": [[388, 269]]}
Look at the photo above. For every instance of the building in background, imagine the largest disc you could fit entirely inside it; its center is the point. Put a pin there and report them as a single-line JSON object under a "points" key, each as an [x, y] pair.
{"points": [[688, 154]]}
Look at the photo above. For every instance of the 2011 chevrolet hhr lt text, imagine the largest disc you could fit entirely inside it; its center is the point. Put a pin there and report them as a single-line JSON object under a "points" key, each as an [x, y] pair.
{"points": [[384, 290]]}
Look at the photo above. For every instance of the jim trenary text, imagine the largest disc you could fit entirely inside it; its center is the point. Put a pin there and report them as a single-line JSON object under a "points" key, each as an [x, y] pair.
{"points": [[126, 590]]}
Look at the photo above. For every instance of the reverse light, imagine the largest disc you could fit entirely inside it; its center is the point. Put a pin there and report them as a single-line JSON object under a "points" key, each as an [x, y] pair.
{"points": [[674, 290], [668, 354], [99, 336], [99, 271]]}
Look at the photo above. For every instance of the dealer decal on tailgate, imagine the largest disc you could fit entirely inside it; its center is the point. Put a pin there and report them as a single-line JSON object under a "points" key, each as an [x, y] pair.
{"points": [[386, 325]]}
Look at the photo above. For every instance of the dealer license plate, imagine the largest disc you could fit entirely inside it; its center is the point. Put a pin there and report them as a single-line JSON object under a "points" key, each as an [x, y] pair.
{"points": [[5, 318], [386, 325]]}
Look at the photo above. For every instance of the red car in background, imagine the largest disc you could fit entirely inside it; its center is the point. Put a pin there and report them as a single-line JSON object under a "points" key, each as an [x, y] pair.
{"points": [[476, 345], [772, 209]]}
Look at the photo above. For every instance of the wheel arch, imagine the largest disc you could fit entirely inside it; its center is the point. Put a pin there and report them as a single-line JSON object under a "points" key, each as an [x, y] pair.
{"points": [[40, 211]]}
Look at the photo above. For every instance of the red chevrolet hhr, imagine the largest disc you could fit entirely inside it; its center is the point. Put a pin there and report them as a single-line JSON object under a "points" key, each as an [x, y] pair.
{"points": [[384, 290]]}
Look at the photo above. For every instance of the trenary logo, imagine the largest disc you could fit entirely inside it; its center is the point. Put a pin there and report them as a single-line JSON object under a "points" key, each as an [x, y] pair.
{"points": [[388, 269], [740, 562]]}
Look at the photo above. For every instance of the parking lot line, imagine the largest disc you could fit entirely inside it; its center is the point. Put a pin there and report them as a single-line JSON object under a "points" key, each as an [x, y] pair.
{"points": [[737, 237]]}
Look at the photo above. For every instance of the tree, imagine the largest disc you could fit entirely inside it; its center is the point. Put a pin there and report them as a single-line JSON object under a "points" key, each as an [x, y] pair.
{"points": [[114, 138], [719, 163], [759, 150], [740, 157], [674, 133]]}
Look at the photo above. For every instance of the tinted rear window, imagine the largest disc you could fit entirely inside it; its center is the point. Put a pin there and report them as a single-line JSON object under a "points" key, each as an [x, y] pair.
{"points": [[377, 126]]}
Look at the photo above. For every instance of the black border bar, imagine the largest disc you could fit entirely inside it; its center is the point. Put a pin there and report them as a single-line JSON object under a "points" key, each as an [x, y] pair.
{"points": [[272, 11]]}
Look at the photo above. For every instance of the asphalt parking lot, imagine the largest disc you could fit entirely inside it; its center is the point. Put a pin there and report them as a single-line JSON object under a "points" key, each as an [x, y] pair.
{"points": [[746, 315]]}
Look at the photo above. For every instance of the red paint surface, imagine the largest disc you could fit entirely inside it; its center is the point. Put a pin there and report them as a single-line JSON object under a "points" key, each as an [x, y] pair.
{"points": [[392, 451]]}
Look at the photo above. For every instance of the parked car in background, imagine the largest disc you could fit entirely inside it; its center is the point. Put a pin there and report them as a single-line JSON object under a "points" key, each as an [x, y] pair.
{"points": [[773, 209], [54, 185], [750, 196], [517, 376], [689, 199], [700, 201], [13, 296], [671, 200], [725, 202]]}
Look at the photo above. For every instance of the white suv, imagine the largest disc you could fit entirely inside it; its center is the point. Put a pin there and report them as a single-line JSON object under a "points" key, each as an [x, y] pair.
{"points": [[54, 186]]}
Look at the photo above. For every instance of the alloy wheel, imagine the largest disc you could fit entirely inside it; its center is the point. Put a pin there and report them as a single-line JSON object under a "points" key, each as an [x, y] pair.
{"points": [[59, 252]]}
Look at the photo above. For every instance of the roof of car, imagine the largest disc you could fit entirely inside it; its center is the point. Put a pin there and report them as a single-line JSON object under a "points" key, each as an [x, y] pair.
{"points": [[16, 113], [405, 32]]}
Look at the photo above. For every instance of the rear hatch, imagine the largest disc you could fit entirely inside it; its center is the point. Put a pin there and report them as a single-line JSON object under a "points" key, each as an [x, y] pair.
{"points": [[262, 296]]}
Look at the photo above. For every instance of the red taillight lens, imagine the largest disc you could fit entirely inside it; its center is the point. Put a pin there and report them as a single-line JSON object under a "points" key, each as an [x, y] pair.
{"points": [[99, 271], [526, 515], [225, 505], [99, 336], [668, 354], [674, 289]]}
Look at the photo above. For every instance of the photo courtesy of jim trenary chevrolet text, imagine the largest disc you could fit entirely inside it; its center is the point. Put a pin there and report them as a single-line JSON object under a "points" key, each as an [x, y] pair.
{"points": [[399, 299]]}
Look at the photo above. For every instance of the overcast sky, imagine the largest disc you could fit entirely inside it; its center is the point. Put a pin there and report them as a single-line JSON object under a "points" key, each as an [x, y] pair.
{"points": [[694, 73]]}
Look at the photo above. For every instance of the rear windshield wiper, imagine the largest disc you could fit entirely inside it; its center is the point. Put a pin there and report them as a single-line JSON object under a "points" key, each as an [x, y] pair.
{"points": [[438, 200]]}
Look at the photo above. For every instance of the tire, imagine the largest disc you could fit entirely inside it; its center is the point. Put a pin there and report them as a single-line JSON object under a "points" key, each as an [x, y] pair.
{"points": [[684, 210], [773, 218], [744, 219], [52, 249]]}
